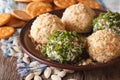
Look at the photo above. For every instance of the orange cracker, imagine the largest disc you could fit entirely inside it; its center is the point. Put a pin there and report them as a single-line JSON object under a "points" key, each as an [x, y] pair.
{"points": [[23, 0], [22, 15], [64, 3], [31, 6], [39, 10], [14, 22], [44, 0], [4, 18], [91, 4], [6, 32]]}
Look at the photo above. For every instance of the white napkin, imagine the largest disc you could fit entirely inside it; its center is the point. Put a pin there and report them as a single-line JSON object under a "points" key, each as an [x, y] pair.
{"points": [[113, 5], [8, 5]]}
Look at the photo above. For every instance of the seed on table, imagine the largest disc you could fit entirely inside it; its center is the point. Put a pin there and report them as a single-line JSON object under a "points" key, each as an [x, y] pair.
{"points": [[25, 55], [20, 54], [26, 60], [37, 77], [56, 70], [16, 48], [71, 79], [88, 61], [37, 72], [34, 63], [62, 74], [84, 63], [68, 71], [29, 76], [47, 72], [55, 77]]}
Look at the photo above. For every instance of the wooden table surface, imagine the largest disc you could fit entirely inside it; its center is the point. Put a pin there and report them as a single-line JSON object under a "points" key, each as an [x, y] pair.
{"points": [[8, 71]]}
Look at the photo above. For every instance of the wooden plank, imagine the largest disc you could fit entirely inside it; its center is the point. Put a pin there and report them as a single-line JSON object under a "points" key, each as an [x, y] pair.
{"points": [[8, 68], [107, 73], [8, 71], [78, 75]]}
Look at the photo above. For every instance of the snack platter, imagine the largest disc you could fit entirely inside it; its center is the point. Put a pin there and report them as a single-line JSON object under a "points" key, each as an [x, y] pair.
{"points": [[75, 19], [38, 59], [29, 48]]}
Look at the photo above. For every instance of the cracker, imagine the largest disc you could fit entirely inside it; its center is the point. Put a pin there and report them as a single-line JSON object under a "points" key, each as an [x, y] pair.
{"points": [[64, 3], [6, 32], [4, 18], [22, 15], [14, 22], [44, 0], [31, 6], [39, 10], [23, 0], [91, 4]]}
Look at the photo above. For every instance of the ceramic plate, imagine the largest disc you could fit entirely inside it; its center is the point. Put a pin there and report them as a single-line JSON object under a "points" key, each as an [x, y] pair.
{"points": [[29, 48]]}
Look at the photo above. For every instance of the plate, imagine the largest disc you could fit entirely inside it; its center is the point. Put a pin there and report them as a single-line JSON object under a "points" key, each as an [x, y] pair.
{"points": [[29, 48]]}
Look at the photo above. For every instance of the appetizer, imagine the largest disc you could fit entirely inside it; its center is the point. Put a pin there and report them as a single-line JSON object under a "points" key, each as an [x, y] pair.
{"points": [[43, 26], [63, 46], [103, 45], [109, 20], [78, 18], [61, 41]]}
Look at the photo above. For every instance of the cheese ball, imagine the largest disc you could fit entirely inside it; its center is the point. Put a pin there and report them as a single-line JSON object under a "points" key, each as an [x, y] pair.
{"points": [[104, 45], [43, 26], [64, 47], [108, 20], [78, 18]]}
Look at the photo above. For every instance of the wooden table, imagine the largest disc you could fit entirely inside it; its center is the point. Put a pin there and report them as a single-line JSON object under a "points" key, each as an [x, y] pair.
{"points": [[8, 71]]}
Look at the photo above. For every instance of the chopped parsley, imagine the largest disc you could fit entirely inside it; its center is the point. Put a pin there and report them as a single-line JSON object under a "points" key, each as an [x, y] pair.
{"points": [[63, 47], [109, 20]]}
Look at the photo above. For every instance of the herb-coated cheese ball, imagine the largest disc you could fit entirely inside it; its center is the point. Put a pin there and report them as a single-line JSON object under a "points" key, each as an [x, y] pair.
{"points": [[108, 20]]}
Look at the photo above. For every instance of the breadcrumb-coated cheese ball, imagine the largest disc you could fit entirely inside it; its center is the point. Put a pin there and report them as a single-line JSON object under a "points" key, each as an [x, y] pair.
{"points": [[104, 45], [78, 18], [44, 25]]}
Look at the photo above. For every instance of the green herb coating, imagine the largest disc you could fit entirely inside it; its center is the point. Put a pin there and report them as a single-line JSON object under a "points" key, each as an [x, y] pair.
{"points": [[109, 20], [63, 46]]}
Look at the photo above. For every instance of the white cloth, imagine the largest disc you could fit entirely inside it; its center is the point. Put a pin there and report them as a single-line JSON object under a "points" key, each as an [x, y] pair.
{"points": [[8, 5], [113, 5]]}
